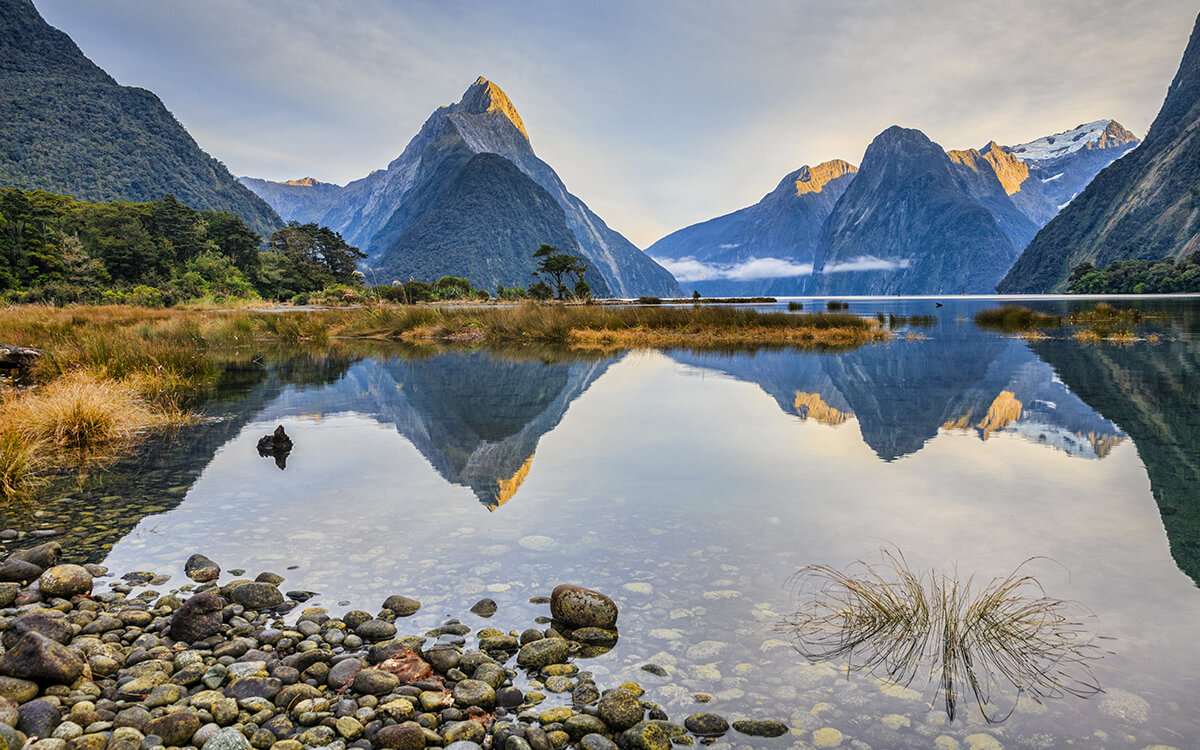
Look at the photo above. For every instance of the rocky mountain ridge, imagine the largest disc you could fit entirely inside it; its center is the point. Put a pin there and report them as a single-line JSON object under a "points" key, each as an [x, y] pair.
{"points": [[771, 247], [483, 121], [1143, 206]]}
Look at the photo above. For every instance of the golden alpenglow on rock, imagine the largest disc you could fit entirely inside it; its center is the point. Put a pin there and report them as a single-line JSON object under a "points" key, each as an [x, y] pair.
{"points": [[814, 179], [495, 100], [1005, 410], [506, 488], [812, 406]]}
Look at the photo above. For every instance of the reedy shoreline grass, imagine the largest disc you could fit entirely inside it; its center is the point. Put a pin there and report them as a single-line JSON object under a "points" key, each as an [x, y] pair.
{"points": [[110, 374], [1103, 323], [1007, 642]]}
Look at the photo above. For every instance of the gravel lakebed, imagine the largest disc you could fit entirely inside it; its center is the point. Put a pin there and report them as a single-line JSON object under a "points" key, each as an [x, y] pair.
{"points": [[239, 663]]}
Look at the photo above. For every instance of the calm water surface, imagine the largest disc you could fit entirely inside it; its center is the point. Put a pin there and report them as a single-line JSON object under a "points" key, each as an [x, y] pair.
{"points": [[691, 486]]}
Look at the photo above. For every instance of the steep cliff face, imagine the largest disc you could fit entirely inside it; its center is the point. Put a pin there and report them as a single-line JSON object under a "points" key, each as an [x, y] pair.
{"points": [[906, 225], [1143, 206], [770, 247], [483, 121], [783, 226], [69, 128], [482, 217]]}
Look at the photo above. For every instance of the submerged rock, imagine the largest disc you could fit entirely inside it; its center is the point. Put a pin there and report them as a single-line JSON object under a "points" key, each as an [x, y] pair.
{"points": [[581, 607], [201, 569]]}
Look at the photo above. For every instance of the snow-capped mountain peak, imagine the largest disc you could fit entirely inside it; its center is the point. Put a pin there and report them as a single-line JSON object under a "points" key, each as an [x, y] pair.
{"points": [[1092, 135]]}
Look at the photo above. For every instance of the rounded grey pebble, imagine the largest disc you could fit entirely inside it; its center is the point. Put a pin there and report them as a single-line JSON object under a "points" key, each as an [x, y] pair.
{"points": [[596, 742]]}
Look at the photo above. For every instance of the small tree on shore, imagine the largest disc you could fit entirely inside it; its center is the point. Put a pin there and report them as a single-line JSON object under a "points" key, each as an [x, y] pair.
{"points": [[560, 268]]}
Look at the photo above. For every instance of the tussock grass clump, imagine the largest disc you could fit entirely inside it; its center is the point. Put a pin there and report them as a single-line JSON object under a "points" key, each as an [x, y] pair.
{"points": [[79, 410], [1002, 643], [1015, 318], [21, 464], [795, 306], [833, 305]]}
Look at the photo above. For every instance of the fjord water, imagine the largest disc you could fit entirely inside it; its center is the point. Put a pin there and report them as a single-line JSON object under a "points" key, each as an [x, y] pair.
{"points": [[691, 486]]}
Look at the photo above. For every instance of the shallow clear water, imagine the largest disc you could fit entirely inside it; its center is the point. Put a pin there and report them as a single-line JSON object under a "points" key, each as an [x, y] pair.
{"points": [[690, 487]]}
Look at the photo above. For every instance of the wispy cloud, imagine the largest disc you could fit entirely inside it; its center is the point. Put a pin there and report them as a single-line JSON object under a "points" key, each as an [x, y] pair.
{"points": [[868, 263], [690, 269]]}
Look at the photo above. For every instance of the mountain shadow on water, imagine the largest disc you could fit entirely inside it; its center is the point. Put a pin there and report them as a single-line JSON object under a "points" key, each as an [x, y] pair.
{"points": [[902, 394], [477, 417], [1150, 391], [106, 505]]}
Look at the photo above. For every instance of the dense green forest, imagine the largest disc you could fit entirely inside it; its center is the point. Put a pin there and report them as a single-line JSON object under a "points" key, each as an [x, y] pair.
{"points": [[1137, 277], [69, 128], [60, 250]]}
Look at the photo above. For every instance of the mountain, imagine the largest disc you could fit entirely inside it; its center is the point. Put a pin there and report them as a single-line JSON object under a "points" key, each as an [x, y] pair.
{"points": [[785, 224], [484, 121], [295, 200], [1062, 165], [481, 224], [1143, 206], [69, 128], [770, 247], [905, 225]]}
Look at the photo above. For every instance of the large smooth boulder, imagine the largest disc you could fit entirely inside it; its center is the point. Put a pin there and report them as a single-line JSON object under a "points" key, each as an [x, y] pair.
{"points": [[65, 581], [198, 618], [582, 608], [40, 659], [257, 595]]}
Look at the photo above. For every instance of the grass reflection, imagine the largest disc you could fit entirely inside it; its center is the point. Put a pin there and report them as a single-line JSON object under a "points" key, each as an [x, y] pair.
{"points": [[1002, 643]]}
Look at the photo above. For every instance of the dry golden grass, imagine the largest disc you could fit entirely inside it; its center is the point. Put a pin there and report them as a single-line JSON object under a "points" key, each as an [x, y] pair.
{"points": [[21, 464], [80, 410], [609, 327]]}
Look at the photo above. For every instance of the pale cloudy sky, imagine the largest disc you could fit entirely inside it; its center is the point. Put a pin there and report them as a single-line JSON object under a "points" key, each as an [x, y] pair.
{"points": [[658, 113]]}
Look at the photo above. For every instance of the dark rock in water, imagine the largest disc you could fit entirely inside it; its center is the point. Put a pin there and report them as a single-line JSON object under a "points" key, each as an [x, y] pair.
{"points": [[375, 630], [201, 569], [596, 742], [44, 555], [654, 669], [484, 608], [761, 728], [582, 607], [38, 718], [509, 697], [18, 571], [65, 581], [301, 596], [257, 596], [198, 618], [474, 693], [645, 735], [277, 445], [401, 605], [539, 654], [35, 657], [268, 577], [706, 725], [620, 709]]}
